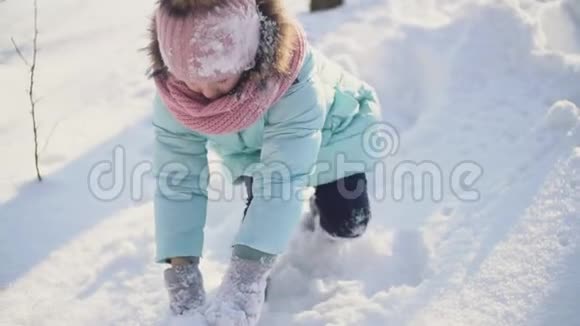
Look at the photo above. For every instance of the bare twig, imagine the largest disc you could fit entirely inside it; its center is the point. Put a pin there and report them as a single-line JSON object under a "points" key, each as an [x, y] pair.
{"points": [[32, 68], [49, 136], [18, 50], [31, 90]]}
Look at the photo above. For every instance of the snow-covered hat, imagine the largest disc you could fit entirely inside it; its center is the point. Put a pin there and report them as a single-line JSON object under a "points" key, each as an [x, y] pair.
{"points": [[202, 40]]}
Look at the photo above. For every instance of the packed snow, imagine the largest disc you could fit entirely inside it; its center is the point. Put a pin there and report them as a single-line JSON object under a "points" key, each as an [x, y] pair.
{"points": [[483, 95]]}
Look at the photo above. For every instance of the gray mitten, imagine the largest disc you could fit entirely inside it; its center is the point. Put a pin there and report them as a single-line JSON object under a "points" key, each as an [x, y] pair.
{"points": [[240, 297], [185, 286]]}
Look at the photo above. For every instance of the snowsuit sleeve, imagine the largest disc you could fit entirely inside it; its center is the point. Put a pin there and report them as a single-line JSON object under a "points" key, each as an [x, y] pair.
{"points": [[291, 142], [179, 165]]}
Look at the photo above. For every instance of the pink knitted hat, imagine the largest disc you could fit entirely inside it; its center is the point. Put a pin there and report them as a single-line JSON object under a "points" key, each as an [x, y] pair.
{"points": [[209, 43], [194, 40]]}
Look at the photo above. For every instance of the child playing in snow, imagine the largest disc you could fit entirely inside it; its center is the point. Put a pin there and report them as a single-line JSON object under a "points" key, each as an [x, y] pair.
{"points": [[239, 76]]}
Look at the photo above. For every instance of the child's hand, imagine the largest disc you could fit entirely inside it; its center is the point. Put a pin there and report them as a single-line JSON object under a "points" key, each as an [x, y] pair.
{"points": [[184, 283], [240, 297]]}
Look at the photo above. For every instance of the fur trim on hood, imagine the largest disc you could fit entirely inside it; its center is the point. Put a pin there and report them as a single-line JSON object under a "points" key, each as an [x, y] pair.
{"points": [[278, 34]]}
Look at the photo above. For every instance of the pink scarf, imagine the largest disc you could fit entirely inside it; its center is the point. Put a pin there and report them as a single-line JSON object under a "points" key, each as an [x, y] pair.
{"points": [[232, 112]]}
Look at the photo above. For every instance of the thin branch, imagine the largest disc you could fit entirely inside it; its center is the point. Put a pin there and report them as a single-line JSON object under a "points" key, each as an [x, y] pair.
{"points": [[31, 91], [18, 51], [49, 137]]}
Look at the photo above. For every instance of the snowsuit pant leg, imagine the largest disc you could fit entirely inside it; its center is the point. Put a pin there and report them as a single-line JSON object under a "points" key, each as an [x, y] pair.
{"points": [[343, 205]]}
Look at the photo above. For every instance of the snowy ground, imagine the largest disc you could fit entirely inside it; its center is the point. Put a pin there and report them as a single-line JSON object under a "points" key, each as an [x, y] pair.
{"points": [[494, 83]]}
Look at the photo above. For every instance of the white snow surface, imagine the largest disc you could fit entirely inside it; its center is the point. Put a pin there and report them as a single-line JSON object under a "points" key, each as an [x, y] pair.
{"points": [[486, 86]]}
